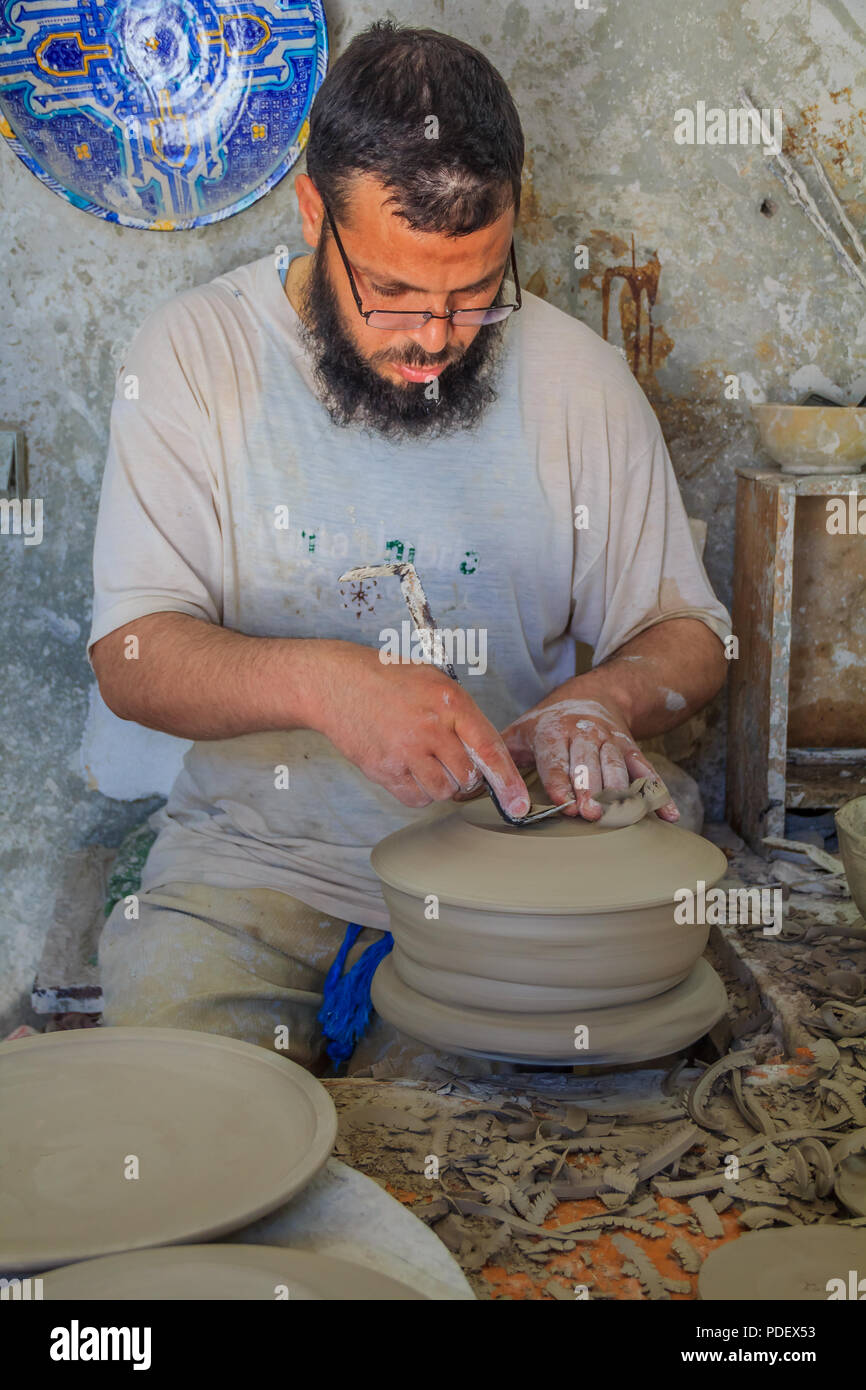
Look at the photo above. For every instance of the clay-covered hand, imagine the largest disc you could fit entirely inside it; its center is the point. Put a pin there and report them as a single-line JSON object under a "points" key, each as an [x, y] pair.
{"points": [[411, 729], [579, 747]]}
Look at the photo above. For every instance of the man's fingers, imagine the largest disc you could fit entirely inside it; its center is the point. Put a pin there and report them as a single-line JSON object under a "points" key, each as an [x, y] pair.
{"points": [[471, 795], [638, 766], [614, 772], [463, 777], [475, 784], [472, 784], [580, 767], [407, 791], [586, 778], [519, 744], [434, 778], [551, 760], [490, 755]]}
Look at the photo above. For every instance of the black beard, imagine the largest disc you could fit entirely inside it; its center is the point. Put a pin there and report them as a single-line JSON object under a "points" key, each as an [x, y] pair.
{"points": [[355, 394]]}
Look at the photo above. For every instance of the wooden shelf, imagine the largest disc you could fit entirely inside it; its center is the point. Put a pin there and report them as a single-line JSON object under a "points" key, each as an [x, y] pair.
{"points": [[764, 776]]}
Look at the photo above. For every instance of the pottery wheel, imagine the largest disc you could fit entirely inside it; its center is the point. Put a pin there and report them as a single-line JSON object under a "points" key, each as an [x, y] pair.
{"points": [[507, 939], [631, 1032]]}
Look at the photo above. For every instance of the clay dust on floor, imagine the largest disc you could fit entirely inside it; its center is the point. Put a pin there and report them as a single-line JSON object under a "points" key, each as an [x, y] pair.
{"points": [[543, 1198]]}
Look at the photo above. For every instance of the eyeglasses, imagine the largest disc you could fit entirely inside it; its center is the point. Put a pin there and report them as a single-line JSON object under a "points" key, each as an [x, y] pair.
{"points": [[416, 318]]}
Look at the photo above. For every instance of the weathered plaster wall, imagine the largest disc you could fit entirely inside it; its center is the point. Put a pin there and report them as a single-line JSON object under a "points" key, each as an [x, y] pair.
{"points": [[736, 291]]}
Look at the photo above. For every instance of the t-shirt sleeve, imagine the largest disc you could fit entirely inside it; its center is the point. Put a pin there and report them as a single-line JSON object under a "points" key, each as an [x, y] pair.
{"points": [[646, 569], [158, 545]]}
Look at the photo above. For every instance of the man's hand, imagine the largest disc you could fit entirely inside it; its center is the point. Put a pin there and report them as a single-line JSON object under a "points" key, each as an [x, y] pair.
{"points": [[580, 747], [410, 728], [654, 682]]}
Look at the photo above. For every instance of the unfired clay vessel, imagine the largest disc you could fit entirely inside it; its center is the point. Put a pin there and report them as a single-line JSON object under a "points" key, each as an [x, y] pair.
{"points": [[507, 940], [795, 1264], [223, 1133], [851, 829], [227, 1273]]}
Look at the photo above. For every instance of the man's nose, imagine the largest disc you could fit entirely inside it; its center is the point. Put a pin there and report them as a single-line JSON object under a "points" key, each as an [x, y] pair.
{"points": [[434, 335]]}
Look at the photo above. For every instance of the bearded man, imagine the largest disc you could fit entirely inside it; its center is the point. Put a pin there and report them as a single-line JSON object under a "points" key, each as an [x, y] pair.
{"points": [[392, 395]]}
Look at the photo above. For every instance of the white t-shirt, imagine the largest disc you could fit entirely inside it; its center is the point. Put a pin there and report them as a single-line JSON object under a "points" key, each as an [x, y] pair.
{"points": [[229, 494]]}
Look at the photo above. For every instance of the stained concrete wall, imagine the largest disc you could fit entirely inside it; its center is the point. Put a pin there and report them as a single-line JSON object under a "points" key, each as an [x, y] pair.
{"points": [[737, 290]]}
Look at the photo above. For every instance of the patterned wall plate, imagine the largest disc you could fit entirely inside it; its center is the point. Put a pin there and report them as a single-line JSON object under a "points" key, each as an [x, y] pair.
{"points": [[162, 114]]}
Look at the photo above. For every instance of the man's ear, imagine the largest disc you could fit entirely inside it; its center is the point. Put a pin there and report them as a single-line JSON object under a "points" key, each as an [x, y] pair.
{"points": [[311, 208]]}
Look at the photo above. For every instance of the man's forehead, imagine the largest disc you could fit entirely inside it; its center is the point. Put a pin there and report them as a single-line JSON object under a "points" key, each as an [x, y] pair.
{"points": [[381, 243]]}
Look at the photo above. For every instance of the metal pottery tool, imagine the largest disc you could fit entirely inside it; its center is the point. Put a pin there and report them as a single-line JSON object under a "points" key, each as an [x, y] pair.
{"points": [[419, 611]]}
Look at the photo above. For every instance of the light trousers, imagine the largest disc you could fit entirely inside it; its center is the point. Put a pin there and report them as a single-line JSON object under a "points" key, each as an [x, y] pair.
{"points": [[248, 963]]}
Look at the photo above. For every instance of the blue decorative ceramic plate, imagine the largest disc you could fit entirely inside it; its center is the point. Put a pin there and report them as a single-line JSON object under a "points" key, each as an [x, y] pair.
{"points": [[162, 114]]}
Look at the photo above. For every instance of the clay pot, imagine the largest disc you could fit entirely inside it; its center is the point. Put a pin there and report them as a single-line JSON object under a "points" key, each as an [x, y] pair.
{"points": [[851, 829], [518, 935], [813, 438]]}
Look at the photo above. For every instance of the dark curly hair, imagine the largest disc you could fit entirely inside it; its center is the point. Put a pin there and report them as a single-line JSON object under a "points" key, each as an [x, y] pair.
{"points": [[372, 116]]}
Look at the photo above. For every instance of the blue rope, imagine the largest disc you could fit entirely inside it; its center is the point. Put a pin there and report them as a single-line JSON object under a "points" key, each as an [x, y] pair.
{"points": [[345, 1011]]}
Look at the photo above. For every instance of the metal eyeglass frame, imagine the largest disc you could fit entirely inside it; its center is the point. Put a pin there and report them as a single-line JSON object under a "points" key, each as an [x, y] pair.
{"points": [[425, 315]]}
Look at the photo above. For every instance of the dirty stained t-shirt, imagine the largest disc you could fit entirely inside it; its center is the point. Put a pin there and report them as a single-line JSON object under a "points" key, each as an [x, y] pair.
{"points": [[229, 495]]}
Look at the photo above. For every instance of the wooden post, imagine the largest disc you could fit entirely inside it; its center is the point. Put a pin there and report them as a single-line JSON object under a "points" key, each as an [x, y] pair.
{"points": [[758, 753]]}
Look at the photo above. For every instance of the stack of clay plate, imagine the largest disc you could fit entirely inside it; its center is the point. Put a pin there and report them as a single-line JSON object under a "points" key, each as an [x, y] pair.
{"points": [[117, 1139], [550, 943]]}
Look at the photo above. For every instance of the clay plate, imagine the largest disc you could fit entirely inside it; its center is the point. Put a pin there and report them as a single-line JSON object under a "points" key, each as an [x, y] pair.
{"points": [[223, 1132], [851, 1184], [851, 829], [793, 1264], [232, 1273]]}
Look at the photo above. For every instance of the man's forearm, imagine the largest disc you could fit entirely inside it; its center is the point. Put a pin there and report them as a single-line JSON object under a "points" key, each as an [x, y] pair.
{"points": [[658, 679], [406, 727], [188, 677]]}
